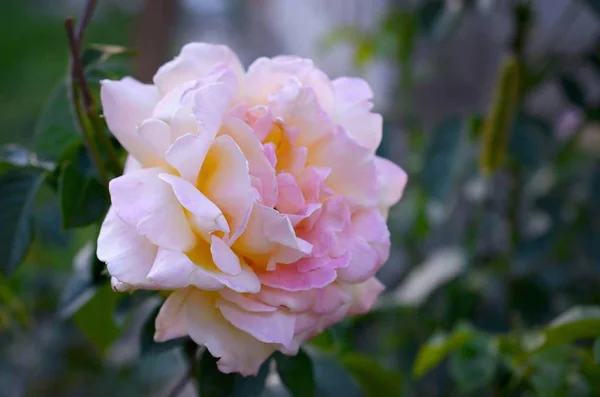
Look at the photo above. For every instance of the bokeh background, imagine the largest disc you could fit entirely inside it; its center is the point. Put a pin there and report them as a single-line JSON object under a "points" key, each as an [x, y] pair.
{"points": [[504, 251]]}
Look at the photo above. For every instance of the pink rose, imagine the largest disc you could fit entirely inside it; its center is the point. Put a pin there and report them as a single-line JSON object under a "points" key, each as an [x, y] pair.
{"points": [[255, 196]]}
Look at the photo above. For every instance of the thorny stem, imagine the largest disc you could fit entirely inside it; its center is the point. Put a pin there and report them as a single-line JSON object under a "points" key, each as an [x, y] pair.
{"points": [[77, 75], [92, 126]]}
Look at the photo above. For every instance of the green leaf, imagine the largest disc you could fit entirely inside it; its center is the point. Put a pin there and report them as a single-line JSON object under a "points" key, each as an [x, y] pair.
{"points": [[214, 383], [83, 199], [372, 378], [95, 319], [18, 188], [581, 322], [474, 364], [572, 90], [325, 341], [296, 373], [444, 156], [147, 343], [55, 129], [87, 276], [333, 379], [596, 350], [251, 385], [548, 370], [439, 347]]}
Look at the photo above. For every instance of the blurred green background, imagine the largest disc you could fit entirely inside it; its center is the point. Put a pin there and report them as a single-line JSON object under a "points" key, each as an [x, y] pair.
{"points": [[493, 109]]}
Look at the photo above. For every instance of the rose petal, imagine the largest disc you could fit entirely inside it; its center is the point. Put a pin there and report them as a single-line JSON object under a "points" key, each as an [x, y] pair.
{"points": [[128, 255], [145, 201], [269, 327], [391, 181], [238, 351], [195, 61], [204, 216], [126, 103], [225, 180]]}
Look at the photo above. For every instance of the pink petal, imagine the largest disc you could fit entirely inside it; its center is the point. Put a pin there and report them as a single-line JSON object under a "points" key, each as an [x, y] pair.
{"points": [[288, 278], [364, 295], [297, 301], [364, 263], [353, 172], [290, 199], [258, 162], [330, 299], [246, 302], [391, 181], [268, 327]]}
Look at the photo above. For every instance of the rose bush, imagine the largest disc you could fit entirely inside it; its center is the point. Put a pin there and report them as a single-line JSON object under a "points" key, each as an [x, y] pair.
{"points": [[254, 196]]}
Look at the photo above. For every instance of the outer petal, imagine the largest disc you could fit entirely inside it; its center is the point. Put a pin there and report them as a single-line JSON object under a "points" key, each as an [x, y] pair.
{"points": [[299, 107], [353, 171], [352, 111], [268, 75], [128, 255], [126, 103], [269, 327], [287, 278], [195, 61], [364, 263], [364, 295], [170, 322], [238, 351], [146, 202], [391, 181]]}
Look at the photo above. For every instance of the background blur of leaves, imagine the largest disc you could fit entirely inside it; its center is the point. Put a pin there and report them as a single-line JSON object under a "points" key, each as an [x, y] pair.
{"points": [[494, 278]]}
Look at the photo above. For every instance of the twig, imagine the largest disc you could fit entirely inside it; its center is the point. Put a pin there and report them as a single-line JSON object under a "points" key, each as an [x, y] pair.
{"points": [[77, 74]]}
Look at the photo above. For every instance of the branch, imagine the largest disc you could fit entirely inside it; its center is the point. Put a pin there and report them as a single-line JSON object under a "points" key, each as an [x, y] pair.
{"points": [[78, 73], [84, 123]]}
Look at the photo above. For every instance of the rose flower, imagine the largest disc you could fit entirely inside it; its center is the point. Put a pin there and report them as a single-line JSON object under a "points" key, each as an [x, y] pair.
{"points": [[254, 196]]}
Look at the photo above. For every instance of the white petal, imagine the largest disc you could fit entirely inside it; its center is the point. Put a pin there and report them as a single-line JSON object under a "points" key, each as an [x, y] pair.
{"points": [[146, 202], [225, 180], [128, 255], [205, 217], [170, 321], [126, 103], [238, 351], [156, 134], [195, 61]]}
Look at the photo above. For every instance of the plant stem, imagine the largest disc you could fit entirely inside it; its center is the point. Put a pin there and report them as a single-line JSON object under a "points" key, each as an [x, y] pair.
{"points": [[84, 122]]}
